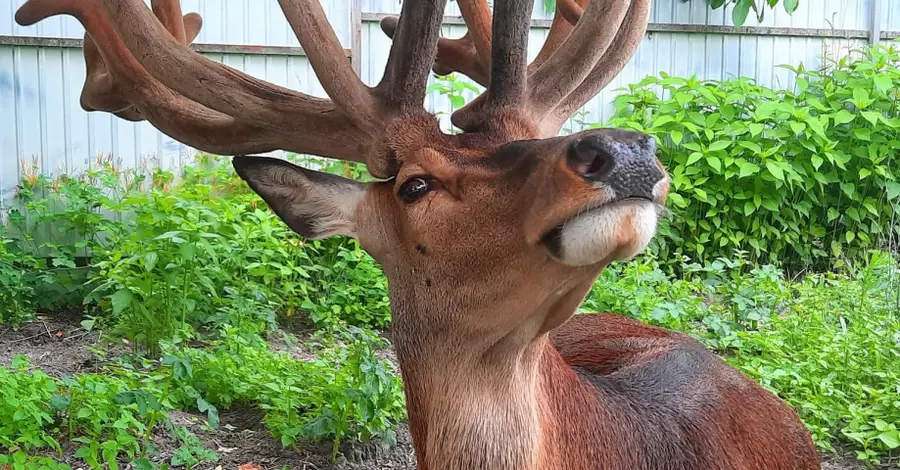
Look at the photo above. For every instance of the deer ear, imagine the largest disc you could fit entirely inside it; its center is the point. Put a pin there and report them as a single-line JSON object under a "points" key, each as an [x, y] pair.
{"points": [[312, 203]]}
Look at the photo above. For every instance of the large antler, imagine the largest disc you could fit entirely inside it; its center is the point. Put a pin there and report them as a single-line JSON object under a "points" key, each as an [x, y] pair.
{"points": [[140, 67], [588, 45]]}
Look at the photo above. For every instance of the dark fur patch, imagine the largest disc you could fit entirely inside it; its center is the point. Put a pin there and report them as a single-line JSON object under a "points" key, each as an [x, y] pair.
{"points": [[515, 160]]}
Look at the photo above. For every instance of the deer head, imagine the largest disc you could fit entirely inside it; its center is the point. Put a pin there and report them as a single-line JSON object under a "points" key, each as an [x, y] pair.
{"points": [[489, 238], [506, 212]]}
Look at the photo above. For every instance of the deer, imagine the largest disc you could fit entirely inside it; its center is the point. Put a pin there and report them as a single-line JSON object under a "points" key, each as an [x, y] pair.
{"points": [[490, 237]]}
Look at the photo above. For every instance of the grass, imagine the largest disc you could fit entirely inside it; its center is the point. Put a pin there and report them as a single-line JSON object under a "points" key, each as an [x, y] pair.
{"points": [[198, 277]]}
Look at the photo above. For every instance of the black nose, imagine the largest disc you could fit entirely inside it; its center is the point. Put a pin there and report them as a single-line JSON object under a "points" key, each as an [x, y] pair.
{"points": [[623, 161]]}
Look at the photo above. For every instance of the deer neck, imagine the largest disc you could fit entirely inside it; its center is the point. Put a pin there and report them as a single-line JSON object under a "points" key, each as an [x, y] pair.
{"points": [[480, 399]]}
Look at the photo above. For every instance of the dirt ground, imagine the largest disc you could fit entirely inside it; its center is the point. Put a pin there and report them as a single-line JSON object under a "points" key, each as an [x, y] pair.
{"points": [[59, 347]]}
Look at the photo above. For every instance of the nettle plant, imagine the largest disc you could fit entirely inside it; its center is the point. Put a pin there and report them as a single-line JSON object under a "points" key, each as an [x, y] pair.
{"points": [[799, 177]]}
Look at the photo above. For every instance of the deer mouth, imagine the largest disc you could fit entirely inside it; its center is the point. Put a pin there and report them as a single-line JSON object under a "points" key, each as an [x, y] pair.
{"points": [[609, 231]]}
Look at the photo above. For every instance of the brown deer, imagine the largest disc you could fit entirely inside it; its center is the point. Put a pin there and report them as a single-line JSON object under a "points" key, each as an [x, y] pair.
{"points": [[490, 238]]}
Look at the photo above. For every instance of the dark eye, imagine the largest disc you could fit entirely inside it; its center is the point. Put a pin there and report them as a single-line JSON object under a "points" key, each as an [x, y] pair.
{"points": [[413, 189]]}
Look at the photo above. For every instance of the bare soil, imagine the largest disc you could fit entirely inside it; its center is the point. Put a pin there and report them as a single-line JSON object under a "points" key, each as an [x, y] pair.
{"points": [[59, 347]]}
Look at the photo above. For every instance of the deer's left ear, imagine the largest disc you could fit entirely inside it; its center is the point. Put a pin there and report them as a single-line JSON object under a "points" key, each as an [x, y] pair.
{"points": [[312, 203]]}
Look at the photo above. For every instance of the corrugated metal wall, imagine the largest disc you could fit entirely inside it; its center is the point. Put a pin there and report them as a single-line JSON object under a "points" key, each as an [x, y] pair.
{"points": [[42, 123]]}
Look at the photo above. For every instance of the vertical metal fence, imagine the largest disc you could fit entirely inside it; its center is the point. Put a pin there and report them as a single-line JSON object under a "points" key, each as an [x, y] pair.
{"points": [[42, 125]]}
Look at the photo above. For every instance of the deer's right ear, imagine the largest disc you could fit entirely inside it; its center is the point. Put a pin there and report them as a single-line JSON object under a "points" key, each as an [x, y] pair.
{"points": [[312, 203]]}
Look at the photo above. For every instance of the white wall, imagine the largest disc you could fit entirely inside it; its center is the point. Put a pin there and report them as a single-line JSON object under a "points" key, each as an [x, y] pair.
{"points": [[41, 121]]}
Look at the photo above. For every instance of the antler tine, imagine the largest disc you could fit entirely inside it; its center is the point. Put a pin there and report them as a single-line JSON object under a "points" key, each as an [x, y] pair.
{"points": [[470, 54], [310, 25], [610, 64], [587, 43], [213, 107], [173, 114], [102, 91], [567, 14], [585, 49], [169, 14], [412, 54], [509, 54]]}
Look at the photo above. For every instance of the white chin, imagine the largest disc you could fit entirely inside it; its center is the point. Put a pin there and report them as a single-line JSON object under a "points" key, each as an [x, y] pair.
{"points": [[615, 232]]}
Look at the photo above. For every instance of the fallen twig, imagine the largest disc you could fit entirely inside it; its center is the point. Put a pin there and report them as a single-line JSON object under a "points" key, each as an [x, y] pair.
{"points": [[47, 329], [76, 337], [26, 339]]}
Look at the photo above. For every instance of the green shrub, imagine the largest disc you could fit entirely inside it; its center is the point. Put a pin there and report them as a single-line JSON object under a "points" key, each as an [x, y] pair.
{"points": [[347, 393], [17, 297], [798, 177]]}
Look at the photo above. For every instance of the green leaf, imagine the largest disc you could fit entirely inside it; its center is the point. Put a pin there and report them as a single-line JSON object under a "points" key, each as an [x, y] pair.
{"points": [[860, 95], [719, 145], [842, 117], [120, 300], [750, 146], [870, 207], [832, 214], [871, 116], [739, 14], [890, 438], [150, 260], [883, 82], [693, 158], [749, 208], [797, 127], [677, 137], [816, 161], [775, 170], [849, 189], [893, 189], [850, 236], [59, 402], [715, 163], [770, 204], [748, 169], [756, 129], [790, 6], [836, 248]]}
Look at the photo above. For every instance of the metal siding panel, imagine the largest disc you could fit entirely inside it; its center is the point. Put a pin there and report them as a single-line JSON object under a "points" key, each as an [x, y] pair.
{"points": [[715, 52], [28, 114], [48, 121], [892, 18], [749, 56], [7, 8], [77, 130], [765, 69], [234, 26], [53, 119], [9, 166], [731, 57]]}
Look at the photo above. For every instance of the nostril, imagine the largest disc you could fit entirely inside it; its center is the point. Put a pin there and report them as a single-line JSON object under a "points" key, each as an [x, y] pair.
{"points": [[590, 158]]}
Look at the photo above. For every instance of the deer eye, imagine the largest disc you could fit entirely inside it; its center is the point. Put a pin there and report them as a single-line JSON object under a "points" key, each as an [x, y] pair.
{"points": [[414, 188]]}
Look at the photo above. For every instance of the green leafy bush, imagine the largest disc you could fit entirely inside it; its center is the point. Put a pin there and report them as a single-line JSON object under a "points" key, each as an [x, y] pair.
{"points": [[17, 297], [346, 393], [800, 177]]}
